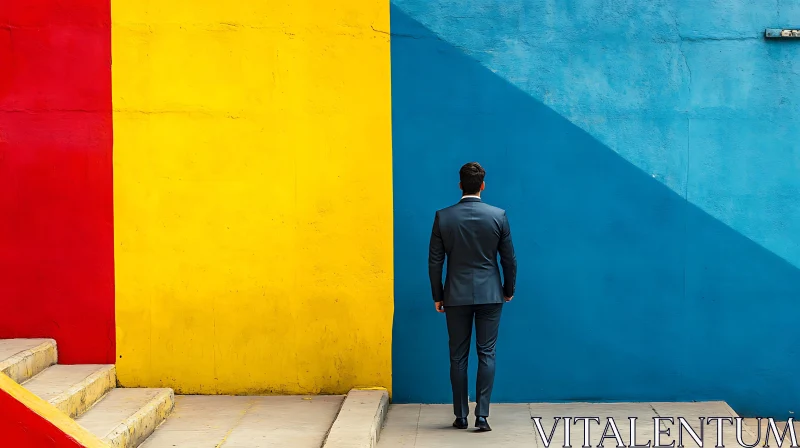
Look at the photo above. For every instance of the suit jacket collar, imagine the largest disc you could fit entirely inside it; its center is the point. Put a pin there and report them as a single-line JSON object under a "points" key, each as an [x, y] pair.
{"points": [[470, 200]]}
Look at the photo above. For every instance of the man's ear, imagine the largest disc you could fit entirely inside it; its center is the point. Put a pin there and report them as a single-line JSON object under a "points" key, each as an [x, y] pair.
{"points": [[483, 185], [459, 186]]}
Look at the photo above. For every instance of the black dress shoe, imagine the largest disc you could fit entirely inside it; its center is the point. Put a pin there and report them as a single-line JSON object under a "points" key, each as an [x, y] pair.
{"points": [[460, 423], [482, 424]]}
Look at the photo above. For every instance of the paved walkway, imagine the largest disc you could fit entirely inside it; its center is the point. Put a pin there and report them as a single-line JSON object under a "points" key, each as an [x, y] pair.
{"points": [[243, 422], [429, 426]]}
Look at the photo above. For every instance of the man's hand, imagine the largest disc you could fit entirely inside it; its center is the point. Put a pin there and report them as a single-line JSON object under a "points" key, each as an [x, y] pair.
{"points": [[439, 307], [508, 299]]}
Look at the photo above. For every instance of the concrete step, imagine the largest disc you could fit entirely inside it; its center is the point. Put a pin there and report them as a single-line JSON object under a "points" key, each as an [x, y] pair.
{"points": [[21, 359], [73, 389], [360, 420], [124, 418]]}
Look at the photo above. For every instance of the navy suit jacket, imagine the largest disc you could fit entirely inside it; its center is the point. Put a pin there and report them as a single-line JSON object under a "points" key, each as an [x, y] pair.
{"points": [[470, 235]]}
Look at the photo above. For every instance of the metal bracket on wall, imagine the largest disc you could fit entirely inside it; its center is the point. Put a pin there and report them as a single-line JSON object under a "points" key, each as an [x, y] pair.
{"points": [[777, 33]]}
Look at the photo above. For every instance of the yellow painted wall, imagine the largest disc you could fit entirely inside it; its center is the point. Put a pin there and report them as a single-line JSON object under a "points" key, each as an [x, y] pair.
{"points": [[253, 195]]}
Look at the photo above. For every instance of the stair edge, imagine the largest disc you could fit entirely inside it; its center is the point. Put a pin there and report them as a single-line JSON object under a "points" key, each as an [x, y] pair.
{"points": [[79, 398], [29, 363], [129, 435]]}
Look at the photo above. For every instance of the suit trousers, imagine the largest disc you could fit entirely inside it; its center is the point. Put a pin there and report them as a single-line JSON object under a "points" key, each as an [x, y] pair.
{"points": [[459, 328]]}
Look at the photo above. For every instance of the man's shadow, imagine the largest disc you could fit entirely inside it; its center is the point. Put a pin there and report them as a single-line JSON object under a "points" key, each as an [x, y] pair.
{"points": [[626, 291]]}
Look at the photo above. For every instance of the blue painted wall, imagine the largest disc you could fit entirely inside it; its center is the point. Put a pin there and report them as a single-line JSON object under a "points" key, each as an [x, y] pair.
{"points": [[648, 154]]}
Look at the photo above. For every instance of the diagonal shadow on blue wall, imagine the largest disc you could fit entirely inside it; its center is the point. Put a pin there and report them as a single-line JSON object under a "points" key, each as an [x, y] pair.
{"points": [[626, 291]]}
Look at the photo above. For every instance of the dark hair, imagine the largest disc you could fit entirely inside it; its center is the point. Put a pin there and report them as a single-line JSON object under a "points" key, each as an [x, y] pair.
{"points": [[472, 175]]}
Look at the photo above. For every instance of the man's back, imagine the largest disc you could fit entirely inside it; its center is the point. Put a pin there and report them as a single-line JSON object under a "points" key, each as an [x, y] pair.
{"points": [[471, 234]]}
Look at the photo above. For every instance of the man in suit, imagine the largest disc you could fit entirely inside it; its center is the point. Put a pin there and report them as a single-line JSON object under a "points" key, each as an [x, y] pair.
{"points": [[470, 234]]}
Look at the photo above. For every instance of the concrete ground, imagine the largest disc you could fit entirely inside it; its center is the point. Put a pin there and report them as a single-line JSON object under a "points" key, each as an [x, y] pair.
{"points": [[429, 426], [243, 422]]}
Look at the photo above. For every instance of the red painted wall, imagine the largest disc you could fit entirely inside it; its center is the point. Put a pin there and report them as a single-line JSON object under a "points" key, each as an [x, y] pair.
{"points": [[20, 427], [56, 215]]}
